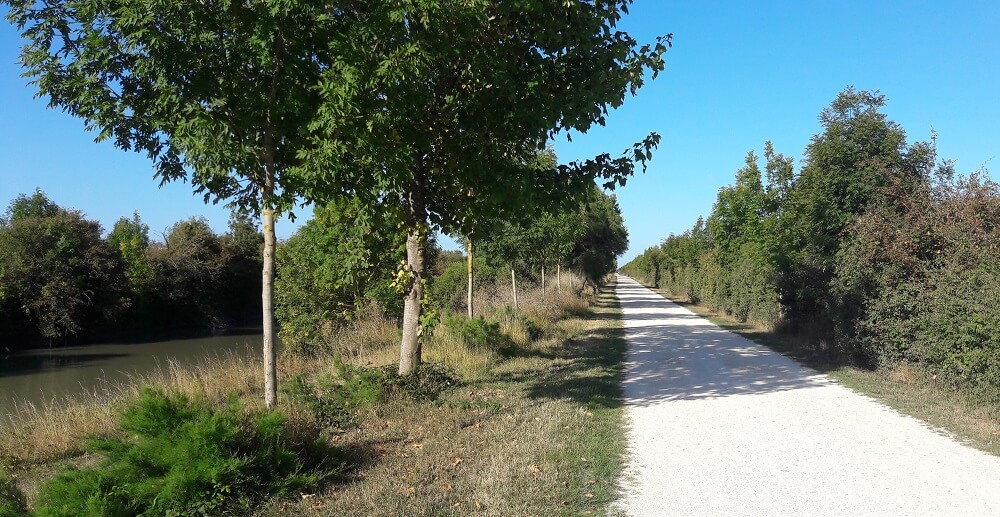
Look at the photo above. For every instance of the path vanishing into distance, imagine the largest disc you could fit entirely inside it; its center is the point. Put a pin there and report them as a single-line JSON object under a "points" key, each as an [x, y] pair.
{"points": [[723, 426]]}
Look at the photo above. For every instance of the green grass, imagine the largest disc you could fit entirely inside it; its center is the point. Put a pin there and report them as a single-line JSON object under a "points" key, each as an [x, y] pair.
{"points": [[906, 389]]}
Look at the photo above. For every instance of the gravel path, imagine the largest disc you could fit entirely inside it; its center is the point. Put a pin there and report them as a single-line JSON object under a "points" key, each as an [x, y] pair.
{"points": [[723, 426]]}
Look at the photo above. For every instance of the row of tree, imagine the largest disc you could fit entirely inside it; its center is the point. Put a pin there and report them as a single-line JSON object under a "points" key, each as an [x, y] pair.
{"points": [[341, 262], [873, 245], [431, 109], [62, 281]]}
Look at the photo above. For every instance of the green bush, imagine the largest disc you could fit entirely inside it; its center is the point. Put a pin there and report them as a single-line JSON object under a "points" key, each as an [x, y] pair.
{"points": [[475, 332], [182, 457], [334, 400], [448, 290], [12, 501], [429, 381]]}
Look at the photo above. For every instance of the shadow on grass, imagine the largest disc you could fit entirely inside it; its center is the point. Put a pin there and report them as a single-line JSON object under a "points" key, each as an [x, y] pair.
{"points": [[586, 370]]}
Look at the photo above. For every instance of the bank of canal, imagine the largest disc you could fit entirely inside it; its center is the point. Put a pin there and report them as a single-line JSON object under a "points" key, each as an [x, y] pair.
{"points": [[49, 375]]}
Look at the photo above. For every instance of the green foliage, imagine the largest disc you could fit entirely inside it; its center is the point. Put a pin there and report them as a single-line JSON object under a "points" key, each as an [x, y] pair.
{"points": [[334, 400], [35, 205], [448, 290], [603, 237], [12, 500], [475, 332], [130, 238], [59, 275], [849, 167], [182, 457], [343, 258]]}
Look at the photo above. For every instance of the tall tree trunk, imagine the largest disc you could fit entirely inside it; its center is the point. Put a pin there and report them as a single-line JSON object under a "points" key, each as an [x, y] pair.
{"points": [[513, 286], [559, 277], [416, 241], [468, 242], [267, 299]]}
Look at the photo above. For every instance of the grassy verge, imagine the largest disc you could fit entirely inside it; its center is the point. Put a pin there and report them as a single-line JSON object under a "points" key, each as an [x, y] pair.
{"points": [[532, 428], [906, 389], [536, 433]]}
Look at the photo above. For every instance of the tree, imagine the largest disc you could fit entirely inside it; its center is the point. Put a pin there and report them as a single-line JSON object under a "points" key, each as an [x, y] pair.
{"points": [[337, 261], [603, 238], [56, 271], [130, 238], [428, 101], [848, 167], [218, 92], [35, 205]]}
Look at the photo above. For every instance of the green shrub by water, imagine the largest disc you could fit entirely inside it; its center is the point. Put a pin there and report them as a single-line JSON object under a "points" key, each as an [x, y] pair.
{"points": [[183, 457], [12, 501]]}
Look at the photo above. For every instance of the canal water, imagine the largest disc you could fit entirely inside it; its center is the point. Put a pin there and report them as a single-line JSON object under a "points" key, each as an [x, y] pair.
{"points": [[47, 376]]}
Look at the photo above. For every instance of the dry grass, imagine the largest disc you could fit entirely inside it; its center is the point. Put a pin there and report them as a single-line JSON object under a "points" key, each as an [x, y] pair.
{"points": [[535, 430], [905, 388], [537, 433]]}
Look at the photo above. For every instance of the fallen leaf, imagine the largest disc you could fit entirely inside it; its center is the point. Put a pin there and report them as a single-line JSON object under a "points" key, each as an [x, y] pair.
{"points": [[456, 461], [588, 495], [411, 490], [448, 487], [418, 446], [535, 469]]}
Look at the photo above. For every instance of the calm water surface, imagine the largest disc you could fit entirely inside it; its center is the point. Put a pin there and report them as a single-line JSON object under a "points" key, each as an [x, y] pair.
{"points": [[50, 375]]}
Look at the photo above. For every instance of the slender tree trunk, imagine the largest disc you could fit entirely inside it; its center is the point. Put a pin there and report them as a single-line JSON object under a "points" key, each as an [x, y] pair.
{"points": [[513, 286], [416, 241], [468, 242], [543, 279], [559, 277], [409, 353], [267, 299]]}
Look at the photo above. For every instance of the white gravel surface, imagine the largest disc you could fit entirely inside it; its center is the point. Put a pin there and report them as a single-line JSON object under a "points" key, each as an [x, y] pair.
{"points": [[723, 426]]}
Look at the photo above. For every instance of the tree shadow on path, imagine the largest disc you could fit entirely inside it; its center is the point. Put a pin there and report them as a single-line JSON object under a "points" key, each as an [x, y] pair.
{"points": [[674, 355]]}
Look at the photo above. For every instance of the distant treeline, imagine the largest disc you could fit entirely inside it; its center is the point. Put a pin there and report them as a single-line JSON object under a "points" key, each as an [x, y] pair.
{"points": [[62, 281], [875, 248]]}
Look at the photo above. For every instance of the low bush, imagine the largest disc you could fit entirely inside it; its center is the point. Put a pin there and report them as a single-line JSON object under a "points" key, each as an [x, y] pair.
{"points": [[334, 400], [12, 501], [184, 457], [475, 332], [519, 328]]}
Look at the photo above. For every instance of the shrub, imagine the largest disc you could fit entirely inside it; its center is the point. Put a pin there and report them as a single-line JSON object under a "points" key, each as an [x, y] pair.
{"points": [[182, 457], [448, 290], [429, 381], [475, 332], [334, 400], [519, 328], [12, 501]]}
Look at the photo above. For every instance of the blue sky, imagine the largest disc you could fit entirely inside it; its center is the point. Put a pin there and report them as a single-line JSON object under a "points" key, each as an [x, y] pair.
{"points": [[740, 73]]}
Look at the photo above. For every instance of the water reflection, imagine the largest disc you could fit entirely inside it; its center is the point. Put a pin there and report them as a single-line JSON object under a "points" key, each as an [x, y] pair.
{"points": [[48, 375]]}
